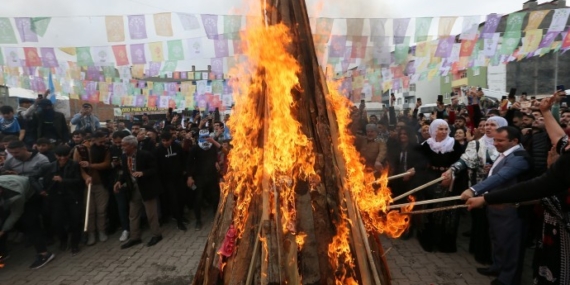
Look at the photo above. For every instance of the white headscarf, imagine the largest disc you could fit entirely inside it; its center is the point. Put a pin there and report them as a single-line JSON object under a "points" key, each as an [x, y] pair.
{"points": [[443, 146], [490, 142]]}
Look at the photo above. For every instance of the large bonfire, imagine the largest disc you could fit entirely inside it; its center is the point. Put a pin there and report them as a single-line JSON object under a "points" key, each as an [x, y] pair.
{"points": [[298, 206]]}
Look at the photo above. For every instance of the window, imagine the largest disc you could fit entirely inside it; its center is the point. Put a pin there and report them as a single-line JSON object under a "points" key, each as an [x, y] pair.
{"points": [[447, 79], [399, 101], [446, 95], [412, 87]]}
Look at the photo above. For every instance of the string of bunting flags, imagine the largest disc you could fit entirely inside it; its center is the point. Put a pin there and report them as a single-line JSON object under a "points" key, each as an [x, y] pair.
{"points": [[390, 53]]}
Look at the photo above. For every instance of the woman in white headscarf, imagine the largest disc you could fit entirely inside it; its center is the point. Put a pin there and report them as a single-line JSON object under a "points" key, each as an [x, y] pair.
{"points": [[438, 231], [477, 160]]}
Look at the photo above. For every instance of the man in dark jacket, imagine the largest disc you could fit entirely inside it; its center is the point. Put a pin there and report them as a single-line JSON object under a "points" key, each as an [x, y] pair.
{"points": [[64, 187], [203, 175], [21, 203], [170, 158], [51, 124], [140, 181]]}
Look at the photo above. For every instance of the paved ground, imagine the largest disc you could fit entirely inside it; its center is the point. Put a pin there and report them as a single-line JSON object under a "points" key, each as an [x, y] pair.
{"points": [[174, 261]]}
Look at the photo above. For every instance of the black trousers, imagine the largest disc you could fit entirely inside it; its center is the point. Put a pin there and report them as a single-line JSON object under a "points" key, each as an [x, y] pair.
{"points": [[30, 224], [170, 199], [207, 187], [67, 210]]}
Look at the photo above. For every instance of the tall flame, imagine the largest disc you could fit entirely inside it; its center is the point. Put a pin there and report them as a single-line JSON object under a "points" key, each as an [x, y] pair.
{"points": [[271, 154], [373, 204], [286, 154]]}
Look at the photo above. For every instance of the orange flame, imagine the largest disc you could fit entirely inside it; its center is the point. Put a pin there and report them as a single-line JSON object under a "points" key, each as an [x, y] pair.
{"points": [[373, 204], [264, 102]]}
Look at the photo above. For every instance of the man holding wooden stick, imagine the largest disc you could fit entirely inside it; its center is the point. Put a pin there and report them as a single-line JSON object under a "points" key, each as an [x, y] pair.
{"points": [[507, 228]]}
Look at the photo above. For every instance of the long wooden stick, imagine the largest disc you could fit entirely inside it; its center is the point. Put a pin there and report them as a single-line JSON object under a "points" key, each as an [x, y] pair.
{"points": [[373, 267], [87, 209], [418, 189], [426, 202], [401, 175], [435, 210]]}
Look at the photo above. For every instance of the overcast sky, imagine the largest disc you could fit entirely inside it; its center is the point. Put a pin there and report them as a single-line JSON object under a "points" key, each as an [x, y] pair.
{"points": [[80, 23], [331, 8]]}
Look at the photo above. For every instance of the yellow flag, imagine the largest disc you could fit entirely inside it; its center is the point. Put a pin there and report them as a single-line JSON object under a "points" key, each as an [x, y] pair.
{"points": [[535, 19], [358, 82], [115, 28], [163, 24], [156, 51], [445, 26], [189, 100], [432, 73], [531, 41], [68, 50], [138, 71], [422, 49]]}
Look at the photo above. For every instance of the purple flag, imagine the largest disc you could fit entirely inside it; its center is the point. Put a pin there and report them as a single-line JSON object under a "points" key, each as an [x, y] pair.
{"points": [[210, 23], [338, 46], [24, 26], [217, 65], [93, 73], [221, 47], [410, 68], [444, 47], [548, 39], [154, 68], [491, 25], [396, 83], [48, 57], [39, 84], [400, 28], [137, 27], [138, 54], [346, 87]]}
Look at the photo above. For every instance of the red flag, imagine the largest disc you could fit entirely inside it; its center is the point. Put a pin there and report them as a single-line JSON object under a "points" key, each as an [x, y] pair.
{"points": [[32, 57], [566, 41], [467, 47], [121, 57]]}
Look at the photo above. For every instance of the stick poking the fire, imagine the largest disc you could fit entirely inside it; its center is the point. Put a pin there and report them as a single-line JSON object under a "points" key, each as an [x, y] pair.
{"points": [[428, 211], [426, 202], [418, 189]]}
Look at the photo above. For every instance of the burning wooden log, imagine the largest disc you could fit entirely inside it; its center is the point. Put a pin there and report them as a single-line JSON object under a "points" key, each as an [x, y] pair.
{"points": [[296, 194]]}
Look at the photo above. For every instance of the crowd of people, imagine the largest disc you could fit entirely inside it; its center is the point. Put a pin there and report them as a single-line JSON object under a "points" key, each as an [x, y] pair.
{"points": [[493, 159], [123, 176], [144, 173]]}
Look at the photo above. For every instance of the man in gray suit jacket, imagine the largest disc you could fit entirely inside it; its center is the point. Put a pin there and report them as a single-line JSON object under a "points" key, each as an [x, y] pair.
{"points": [[506, 227]]}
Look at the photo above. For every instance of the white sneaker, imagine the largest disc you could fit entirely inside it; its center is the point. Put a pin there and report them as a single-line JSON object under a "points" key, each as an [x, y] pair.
{"points": [[102, 236], [91, 239], [124, 236]]}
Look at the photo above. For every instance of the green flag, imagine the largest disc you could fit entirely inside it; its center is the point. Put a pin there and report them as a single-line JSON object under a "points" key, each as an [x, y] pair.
{"points": [[402, 50], [7, 35], [514, 22], [511, 41], [217, 87], [169, 66], [175, 50], [422, 28], [84, 56], [232, 25], [40, 25]]}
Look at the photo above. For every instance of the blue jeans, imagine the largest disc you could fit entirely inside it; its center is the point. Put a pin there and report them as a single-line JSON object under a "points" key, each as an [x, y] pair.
{"points": [[123, 206]]}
